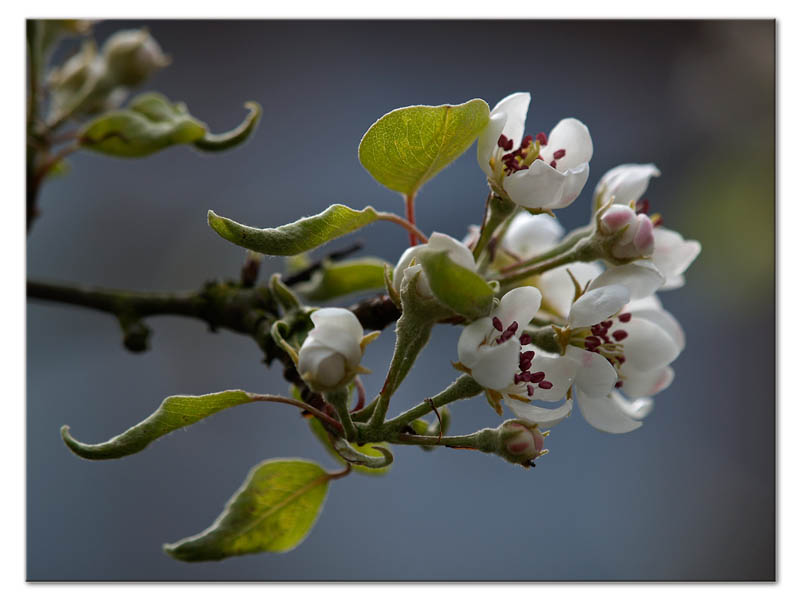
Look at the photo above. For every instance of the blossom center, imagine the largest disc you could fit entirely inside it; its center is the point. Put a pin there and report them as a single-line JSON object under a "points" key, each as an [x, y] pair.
{"points": [[599, 339], [522, 158], [523, 376]]}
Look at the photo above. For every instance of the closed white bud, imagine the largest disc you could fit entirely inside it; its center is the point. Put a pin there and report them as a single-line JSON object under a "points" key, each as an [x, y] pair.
{"points": [[522, 443], [438, 242], [331, 354]]}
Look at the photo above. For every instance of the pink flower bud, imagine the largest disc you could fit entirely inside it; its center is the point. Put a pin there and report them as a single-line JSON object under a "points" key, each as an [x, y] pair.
{"points": [[616, 217], [644, 240], [521, 442]]}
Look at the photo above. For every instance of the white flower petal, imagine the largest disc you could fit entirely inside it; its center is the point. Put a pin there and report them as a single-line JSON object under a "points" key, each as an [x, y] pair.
{"points": [[573, 136], [338, 317], [543, 417], [663, 319], [573, 185], [324, 365], [559, 289], [626, 183], [595, 375], [673, 255], [640, 277], [606, 414], [496, 365], [472, 336], [597, 305], [646, 383], [521, 305], [456, 251], [405, 259], [638, 408], [507, 118], [529, 235], [647, 345], [537, 187], [560, 371], [340, 340]]}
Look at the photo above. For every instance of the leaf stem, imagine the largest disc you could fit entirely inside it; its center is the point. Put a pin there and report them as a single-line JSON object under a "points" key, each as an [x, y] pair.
{"points": [[307, 407], [408, 226], [338, 398], [409, 198]]}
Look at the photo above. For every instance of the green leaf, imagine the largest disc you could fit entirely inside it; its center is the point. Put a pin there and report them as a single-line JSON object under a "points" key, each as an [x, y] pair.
{"points": [[294, 238], [151, 123], [273, 511], [461, 290], [370, 450], [174, 413], [341, 278], [408, 146]]}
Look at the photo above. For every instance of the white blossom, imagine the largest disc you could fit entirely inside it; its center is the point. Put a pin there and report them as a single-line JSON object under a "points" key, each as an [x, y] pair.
{"points": [[545, 172], [438, 242]]}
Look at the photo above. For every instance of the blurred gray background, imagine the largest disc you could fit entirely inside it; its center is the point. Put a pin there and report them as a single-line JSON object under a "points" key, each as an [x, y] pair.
{"points": [[690, 495]]}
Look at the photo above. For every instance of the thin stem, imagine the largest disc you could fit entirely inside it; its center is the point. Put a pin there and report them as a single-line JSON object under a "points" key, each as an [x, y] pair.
{"points": [[397, 219], [338, 398], [339, 474], [497, 211], [463, 387], [583, 251], [307, 407], [485, 440], [410, 217], [569, 241]]}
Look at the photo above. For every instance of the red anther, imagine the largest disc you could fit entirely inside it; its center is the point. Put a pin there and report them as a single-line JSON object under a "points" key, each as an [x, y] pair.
{"points": [[525, 376], [524, 365], [513, 327], [620, 335], [517, 378], [559, 154], [621, 359], [599, 329], [525, 339], [541, 137], [530, 390], [606, 324], [545, 385], [642, 206], [527, 355], [537, 377], [659, 220], [527, 141], [624, 317], [618, 384], [505, 143], [497, 324], [592, 339], [553, 164]]}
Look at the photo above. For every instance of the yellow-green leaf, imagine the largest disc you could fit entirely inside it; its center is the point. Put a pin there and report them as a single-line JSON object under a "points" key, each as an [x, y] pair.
{"points": [[408, 146], [174, 413], [273, 511], [294, 238], [336, 279]]}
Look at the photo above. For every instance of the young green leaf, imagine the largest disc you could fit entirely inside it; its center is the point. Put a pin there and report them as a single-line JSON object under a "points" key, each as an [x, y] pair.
{"points": [[273, 511], [294, 238], [151, 123], [175, 412], [408, 146], [461, 290], [341, 278]]}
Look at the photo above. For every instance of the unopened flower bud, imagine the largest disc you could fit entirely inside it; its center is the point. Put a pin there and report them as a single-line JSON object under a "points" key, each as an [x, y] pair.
{"points": [[331, 354], [132, 55], [438, 242], [637, 238], [521, 443]]}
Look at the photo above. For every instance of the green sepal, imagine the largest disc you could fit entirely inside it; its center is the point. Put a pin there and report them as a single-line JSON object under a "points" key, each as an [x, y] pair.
{"points": [[408, 146], [174, 413], [216, 142], [273, 511], [354, 457], [341, 278], [294, 238], [459, 289]]}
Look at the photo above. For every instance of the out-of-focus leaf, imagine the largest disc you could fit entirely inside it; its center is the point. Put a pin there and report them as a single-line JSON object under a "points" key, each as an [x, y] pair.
{"points": [[273, 511], [174, 413], [294, 238], [345, 277], [151, 123], [408, 146], [463, 291]]}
